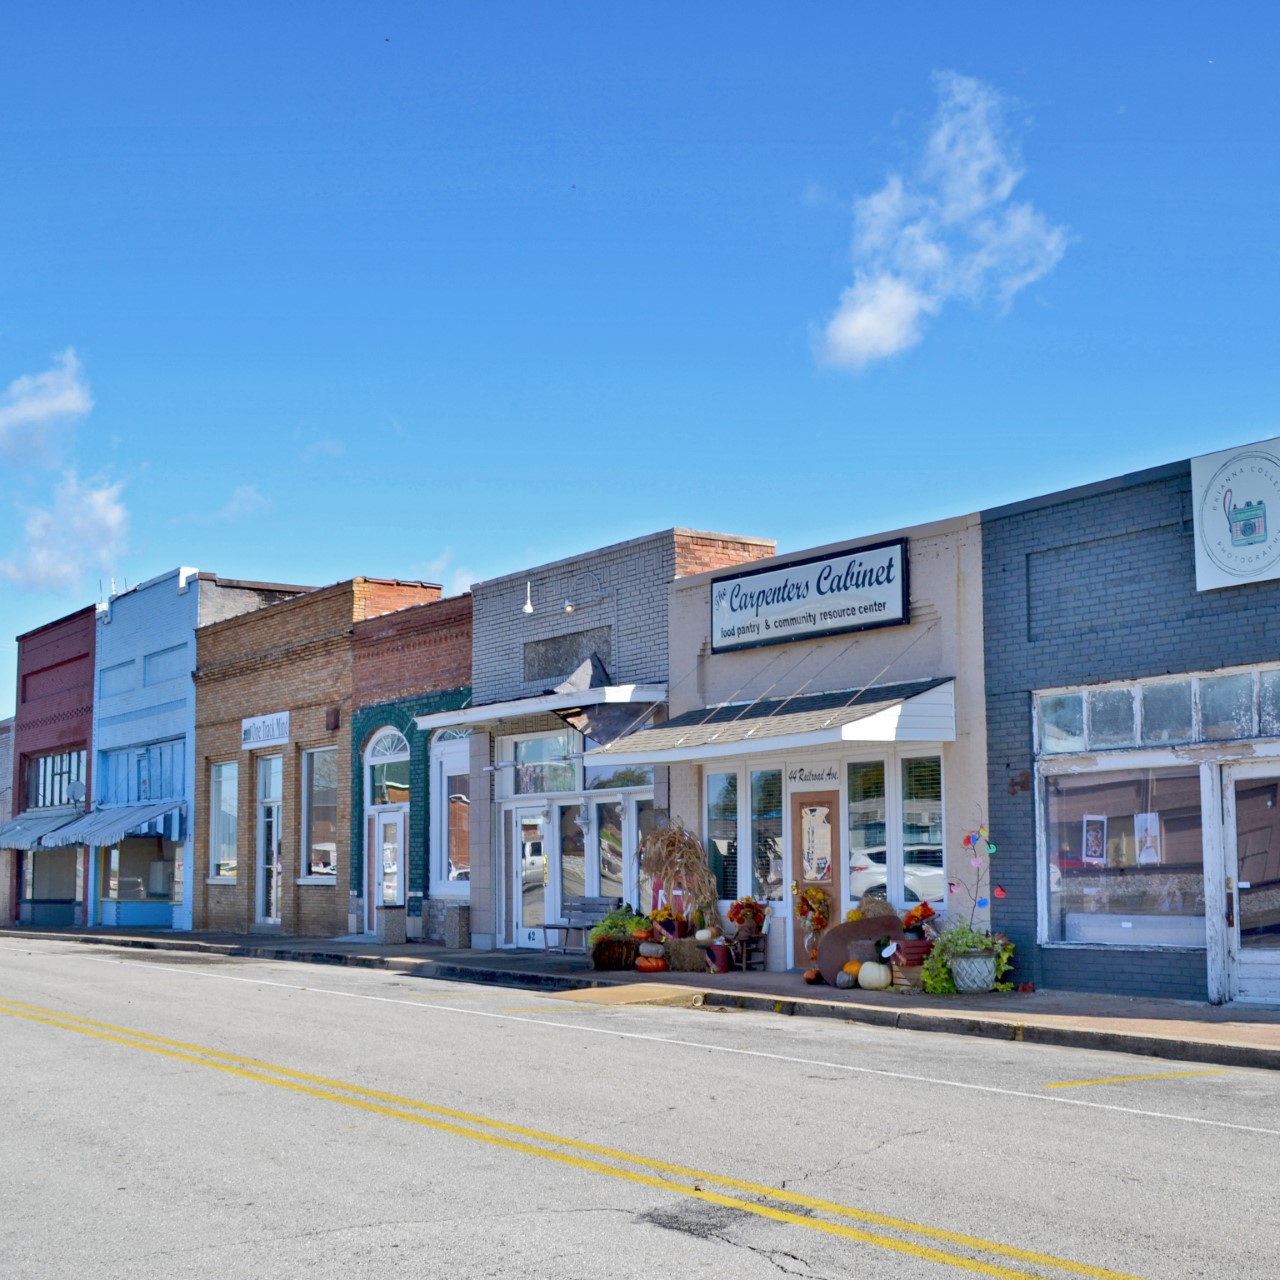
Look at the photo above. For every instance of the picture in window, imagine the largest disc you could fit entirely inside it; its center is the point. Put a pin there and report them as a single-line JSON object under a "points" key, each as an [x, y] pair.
{"points": [[1093, 841], [1146, 834]]}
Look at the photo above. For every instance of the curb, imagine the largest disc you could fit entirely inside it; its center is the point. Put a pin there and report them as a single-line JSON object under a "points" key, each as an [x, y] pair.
{"points": [[1206, 1051]]}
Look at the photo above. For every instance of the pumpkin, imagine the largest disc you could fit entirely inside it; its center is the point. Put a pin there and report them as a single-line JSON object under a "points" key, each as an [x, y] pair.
{"points": [[652, 964], [874, 976], [705, 935], [851, 967], [652, 950], [812, 976], [845, 980]]}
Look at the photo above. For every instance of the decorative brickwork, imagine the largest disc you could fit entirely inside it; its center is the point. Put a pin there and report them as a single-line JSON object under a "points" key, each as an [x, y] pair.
{"points": [[413, 650], [294, 656]]}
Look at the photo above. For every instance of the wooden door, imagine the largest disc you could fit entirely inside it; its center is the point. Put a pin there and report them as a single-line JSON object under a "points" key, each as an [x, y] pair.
{"points": [[815, 856]]}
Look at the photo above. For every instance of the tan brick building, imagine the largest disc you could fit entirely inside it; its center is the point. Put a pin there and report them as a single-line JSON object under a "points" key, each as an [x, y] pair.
{"points": [[272, 826]]}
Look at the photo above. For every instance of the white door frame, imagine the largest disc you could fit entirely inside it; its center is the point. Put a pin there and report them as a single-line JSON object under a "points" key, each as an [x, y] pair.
{"points": [[1250, 973], [399, 817]]}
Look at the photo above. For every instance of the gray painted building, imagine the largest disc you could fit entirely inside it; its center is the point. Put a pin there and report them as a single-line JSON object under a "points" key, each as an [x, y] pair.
{"points": [[1133, 729]]}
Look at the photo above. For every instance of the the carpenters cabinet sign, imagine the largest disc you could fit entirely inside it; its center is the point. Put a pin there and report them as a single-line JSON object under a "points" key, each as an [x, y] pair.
{"points": [[1237, 515], [822, 596]]}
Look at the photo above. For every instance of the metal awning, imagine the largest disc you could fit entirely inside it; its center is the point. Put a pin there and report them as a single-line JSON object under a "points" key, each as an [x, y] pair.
{"points": [[26, 830], [918, 711], [557, 701], [111, 825]]}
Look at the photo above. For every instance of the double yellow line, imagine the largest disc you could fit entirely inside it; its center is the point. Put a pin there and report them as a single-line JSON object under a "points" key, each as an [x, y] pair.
{"points": [[590, 1157]]}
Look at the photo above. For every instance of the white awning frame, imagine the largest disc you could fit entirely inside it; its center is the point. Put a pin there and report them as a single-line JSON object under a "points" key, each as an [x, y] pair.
{"points": [[492, 712]]}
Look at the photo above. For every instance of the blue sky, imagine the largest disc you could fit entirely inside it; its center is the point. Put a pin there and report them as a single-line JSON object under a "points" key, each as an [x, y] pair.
{"points": [[296, 292]]}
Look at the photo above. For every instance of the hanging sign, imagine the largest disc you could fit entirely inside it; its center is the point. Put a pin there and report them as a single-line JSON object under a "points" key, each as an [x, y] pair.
{"points": [[1236, 505], [821, 596], [264, 731]]}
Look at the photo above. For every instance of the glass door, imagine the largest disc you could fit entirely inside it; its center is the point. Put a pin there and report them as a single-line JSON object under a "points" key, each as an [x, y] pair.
{"points": [[270, 784], [526, 836], [384, 867], [1252, 846]]}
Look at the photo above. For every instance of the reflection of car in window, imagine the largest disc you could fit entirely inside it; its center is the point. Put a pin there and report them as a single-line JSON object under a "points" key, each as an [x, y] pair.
{"points": [[532, 862], [922, 871]]}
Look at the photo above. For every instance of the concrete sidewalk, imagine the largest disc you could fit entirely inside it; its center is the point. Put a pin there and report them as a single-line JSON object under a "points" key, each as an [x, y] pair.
{"points": [[1227, 1035]]}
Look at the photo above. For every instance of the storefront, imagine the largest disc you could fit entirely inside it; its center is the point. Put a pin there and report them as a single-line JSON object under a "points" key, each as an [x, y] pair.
{"points": [[565, 657], [836, 746], [1134, 705]]}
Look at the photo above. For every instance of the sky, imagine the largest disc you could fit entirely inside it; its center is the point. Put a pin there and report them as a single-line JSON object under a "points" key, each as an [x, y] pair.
{"points": [[413, 290]]}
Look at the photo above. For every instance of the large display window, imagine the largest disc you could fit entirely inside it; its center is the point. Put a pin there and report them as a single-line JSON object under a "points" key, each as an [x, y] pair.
{"points": [[1124, 857]]}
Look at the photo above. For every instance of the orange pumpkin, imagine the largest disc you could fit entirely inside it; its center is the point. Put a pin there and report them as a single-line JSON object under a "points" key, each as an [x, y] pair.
{"points": [[651, 964], [852, 967], [812, 976]]}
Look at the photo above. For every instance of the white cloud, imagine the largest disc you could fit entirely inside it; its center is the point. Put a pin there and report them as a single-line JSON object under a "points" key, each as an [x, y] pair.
{"points": [[245, 500], [85, 528], [953, 231], [35, 404], [454, 579]]}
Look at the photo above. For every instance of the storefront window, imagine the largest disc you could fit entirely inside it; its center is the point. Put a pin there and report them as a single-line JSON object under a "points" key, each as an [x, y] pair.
{"points": [[1125, 862], [458, 819], [722, 831], [766, 835], [616, 777], [922, 854], [224, 801], [609, 844], [542, 764], [320, 780], [139, 870], [573, 851], [1269, 704], [867, 850], [50, 779]]}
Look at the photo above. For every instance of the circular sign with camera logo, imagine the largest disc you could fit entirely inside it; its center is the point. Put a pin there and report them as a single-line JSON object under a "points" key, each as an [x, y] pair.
{"points": [[1238, 516]]}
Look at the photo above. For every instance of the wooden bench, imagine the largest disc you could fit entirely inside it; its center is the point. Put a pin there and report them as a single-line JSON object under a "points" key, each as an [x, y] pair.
{"points": [[581, 915]]}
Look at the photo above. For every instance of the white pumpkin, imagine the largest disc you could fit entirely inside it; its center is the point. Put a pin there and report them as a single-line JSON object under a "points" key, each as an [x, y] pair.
{"points": [[652, 949], [704, 935], [874, 976]]}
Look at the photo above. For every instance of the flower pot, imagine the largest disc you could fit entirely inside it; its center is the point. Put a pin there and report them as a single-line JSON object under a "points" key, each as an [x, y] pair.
{"points": [[974, 971], [746, 929]]}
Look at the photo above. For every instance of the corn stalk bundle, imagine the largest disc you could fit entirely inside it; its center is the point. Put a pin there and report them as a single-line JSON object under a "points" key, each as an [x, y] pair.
{"points": [[673, 855]]}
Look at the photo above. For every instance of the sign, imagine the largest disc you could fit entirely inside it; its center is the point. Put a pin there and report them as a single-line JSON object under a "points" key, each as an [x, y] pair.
{"points": [[1236, 497], [810, 773], [264, 731], [822, 596]]}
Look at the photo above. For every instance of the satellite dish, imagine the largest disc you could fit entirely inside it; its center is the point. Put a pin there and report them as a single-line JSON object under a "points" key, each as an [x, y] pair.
{"points": [[76, 791]]}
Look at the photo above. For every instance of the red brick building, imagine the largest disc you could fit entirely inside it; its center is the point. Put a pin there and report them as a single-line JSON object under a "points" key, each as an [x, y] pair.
{"points": [[52, 737], [274, 698]]}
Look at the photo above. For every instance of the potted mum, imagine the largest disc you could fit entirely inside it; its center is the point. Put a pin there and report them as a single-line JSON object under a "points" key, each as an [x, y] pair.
{"points": [[747, 916]]}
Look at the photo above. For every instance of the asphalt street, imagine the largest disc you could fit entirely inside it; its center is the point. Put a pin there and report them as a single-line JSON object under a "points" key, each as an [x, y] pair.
{"points": [[201, 1116]]}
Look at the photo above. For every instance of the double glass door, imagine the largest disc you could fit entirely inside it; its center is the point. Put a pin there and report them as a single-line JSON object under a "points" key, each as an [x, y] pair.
{"points": [[585, 846]]}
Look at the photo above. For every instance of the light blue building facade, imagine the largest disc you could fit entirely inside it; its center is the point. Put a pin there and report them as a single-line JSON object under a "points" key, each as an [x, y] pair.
{"points": [[138, 829]]}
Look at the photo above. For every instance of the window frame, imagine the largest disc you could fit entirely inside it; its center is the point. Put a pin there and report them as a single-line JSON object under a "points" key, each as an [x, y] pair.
{"points": [[307, 876], [215, 809], [450, 758]]}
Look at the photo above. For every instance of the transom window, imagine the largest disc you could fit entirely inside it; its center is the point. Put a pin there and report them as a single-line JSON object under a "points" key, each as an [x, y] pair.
{"points": [[388, 764], [49, 779], [1159, 713]]}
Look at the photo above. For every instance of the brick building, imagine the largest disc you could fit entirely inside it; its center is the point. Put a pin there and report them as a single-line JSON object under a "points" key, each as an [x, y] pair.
{"points": [[272, 833], [53, 728], [563, 656], [1133, 709], [6, 812], [413, 662]]}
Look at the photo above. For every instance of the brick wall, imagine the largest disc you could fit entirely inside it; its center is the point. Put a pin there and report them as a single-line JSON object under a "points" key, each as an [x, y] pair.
{"points": [[412, 651], [1085, 587], [620, 590], [294, 656]]}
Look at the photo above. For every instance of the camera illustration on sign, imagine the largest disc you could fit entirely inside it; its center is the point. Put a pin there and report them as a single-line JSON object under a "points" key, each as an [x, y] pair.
{"points": [[1248, 523]]}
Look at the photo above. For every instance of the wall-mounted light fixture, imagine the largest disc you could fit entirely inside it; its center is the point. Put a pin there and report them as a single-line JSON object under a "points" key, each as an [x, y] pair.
{"points": [[527, 607], [571, 605]]}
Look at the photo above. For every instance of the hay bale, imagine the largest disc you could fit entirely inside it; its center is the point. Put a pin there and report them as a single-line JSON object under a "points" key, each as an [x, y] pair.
{"points": [[684, 955]]}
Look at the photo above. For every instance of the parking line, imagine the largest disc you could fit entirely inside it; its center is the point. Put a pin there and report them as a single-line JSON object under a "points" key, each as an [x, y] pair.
{"points": [[1159, 1075]]}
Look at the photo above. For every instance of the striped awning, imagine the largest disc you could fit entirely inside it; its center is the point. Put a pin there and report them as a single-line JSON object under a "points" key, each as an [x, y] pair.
{"points": [[27, 829], [111, 825]]}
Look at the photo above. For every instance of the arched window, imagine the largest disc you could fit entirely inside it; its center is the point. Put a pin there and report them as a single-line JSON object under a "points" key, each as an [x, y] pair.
{"points": [[387, 768]]}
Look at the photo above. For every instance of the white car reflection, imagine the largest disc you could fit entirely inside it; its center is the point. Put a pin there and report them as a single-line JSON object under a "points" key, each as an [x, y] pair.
{"points": [[925, 882]]}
